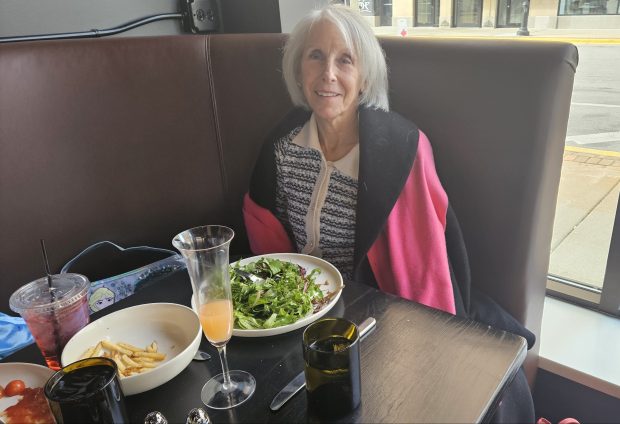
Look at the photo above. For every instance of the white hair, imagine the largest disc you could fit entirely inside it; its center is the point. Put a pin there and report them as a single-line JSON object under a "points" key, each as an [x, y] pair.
{"points": [[358, 36]]}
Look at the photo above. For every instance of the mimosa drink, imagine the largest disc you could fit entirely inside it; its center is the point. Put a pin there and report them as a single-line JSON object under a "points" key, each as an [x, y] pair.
{"points": [[216, 318], [205, 250]]}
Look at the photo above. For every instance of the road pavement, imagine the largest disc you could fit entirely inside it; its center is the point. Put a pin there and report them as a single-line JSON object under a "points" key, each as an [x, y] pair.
{"points": [[595, 107]]}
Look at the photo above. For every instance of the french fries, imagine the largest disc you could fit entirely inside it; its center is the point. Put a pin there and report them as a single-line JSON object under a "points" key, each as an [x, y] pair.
{"points": [[129, 359]]}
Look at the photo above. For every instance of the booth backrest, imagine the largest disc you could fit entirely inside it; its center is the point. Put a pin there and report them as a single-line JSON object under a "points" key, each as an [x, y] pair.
{"points": [[135, 139]]}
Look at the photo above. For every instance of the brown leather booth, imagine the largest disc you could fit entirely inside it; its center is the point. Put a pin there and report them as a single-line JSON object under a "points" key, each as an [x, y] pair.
{"points": [[135, 139]]}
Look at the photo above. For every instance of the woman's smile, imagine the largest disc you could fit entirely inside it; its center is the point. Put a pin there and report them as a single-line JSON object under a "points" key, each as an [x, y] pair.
{"points": [[327, 93]]}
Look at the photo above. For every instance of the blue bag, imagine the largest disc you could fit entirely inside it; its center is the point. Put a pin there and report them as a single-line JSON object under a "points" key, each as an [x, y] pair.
{"points": [[14, 334]]}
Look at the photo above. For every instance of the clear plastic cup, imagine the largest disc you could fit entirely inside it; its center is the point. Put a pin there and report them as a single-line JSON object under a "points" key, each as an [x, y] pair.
{"points": [[53, 318]]}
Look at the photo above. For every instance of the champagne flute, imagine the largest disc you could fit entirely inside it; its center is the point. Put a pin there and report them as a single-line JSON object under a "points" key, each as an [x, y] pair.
{"points": [[205, 250]]}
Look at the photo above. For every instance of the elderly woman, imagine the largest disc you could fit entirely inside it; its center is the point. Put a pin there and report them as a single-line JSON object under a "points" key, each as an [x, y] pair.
{"points": [[345, 179]]}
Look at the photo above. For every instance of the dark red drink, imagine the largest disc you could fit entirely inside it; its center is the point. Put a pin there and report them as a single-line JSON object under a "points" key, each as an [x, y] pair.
{"points": [[53, 317]]}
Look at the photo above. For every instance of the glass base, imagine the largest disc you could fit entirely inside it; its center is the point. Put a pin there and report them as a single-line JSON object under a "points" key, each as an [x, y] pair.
{"points": [[214, 396]]}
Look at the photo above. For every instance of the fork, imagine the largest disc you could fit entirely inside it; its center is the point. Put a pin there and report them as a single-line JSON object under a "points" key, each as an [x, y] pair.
{"points": [[249, 276]]}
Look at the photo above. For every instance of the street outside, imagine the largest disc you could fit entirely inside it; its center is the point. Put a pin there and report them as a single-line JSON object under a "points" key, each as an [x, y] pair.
{"points": [[595, 109]]}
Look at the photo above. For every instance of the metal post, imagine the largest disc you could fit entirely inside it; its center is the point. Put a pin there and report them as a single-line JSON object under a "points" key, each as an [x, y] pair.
{"points": [[526, 11]]}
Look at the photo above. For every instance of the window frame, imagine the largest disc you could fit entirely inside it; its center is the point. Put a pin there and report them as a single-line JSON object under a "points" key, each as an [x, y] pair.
{"points": [[605, 299]]}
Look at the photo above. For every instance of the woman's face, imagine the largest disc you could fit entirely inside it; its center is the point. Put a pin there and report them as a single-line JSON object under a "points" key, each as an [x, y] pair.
{"points": [[330, 75]]}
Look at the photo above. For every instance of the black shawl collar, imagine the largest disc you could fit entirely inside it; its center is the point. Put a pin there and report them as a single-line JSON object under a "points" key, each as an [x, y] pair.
{"points": [[388, 145]]}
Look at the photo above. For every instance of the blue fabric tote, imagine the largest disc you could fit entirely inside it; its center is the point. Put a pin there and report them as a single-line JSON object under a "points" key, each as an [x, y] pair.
{"points": [[14, 334]]}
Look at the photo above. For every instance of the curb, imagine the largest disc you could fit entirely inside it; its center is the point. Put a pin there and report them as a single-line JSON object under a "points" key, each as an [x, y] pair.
{"points": [[592, 157], [594, 152]]}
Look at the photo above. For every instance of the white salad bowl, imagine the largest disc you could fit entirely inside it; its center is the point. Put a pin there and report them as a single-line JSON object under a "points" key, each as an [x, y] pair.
{"points": [[329, 279]]}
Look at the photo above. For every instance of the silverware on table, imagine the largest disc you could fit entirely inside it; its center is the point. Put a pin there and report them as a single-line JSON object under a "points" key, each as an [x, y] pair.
{"points": [[299, 382], [249, 276], [201, 356]]}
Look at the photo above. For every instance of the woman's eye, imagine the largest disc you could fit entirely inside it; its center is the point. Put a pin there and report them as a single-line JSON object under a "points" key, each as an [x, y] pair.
{"points": [[315, 55]]}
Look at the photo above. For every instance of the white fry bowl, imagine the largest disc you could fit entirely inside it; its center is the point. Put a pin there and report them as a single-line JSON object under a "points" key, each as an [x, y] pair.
{"points": [[175, 328]]}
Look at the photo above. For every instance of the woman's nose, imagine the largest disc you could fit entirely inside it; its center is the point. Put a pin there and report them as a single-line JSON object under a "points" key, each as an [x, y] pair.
{"points": [[329, 71]]}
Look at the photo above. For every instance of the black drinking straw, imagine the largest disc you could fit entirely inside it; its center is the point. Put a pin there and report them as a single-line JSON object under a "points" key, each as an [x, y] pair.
{"points": [[53, 299], [47, 270]]}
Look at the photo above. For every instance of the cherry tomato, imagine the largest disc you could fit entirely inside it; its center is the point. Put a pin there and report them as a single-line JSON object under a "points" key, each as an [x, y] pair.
{"points": [[15, 387], [1, 392]]}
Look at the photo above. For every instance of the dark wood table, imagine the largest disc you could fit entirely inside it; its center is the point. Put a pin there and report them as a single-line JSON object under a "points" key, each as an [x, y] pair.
{"points": [[418, 365]]}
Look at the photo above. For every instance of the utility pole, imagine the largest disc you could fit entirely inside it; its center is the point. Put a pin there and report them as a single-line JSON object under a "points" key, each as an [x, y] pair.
{"points": [[526, 12]]}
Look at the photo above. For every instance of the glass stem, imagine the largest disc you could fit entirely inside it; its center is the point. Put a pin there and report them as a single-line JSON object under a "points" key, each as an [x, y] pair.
{"points": [[227, 383]]}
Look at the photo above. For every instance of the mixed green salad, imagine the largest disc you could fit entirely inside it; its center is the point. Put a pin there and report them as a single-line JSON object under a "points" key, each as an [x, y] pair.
{"points": [[287, 294]]}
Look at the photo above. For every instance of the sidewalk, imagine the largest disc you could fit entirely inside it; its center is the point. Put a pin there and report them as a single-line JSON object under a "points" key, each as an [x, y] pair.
{"points": [[576, 36], [585, 212]]}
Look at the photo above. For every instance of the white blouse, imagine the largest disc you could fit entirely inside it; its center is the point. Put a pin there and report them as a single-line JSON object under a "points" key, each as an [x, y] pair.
{"points": [[316, 197]]}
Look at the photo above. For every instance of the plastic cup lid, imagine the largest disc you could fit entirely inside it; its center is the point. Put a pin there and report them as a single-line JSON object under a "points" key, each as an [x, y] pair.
{"points": [[35, 296]]}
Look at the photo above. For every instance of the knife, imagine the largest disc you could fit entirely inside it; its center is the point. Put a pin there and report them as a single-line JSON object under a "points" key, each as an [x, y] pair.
{"points": [[299, 382]]}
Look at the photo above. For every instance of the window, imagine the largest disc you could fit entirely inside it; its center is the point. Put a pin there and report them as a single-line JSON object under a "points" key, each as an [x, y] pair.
{"points": [[427, 12], [467, 13], [589, 7], [586, 239], [509, 13]]}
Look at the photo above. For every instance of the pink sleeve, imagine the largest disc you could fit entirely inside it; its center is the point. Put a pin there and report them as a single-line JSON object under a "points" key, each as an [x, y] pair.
{"points": [[265, 232], [409, 258]]}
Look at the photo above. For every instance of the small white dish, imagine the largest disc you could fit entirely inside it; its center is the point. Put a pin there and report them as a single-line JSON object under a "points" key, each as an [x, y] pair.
{"points": [[32, 375], [175, 328], [329, 274]]}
